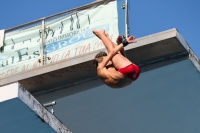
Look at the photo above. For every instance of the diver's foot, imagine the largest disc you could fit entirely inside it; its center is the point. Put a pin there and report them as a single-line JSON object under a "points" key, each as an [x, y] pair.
{"points": [[99, 33]]}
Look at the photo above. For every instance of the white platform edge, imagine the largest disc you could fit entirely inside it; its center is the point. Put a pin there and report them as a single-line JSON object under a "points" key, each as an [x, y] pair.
{"points": [[192, 55], [8, 92]]}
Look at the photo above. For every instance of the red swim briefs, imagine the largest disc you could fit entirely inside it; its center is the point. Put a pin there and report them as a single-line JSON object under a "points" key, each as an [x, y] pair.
{"points": [[132, 71]]}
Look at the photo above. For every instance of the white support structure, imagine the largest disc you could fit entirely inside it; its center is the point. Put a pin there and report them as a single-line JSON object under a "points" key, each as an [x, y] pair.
{"points": [[1, 37]]}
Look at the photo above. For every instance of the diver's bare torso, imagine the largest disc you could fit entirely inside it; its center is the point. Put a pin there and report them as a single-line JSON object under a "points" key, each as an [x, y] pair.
{"points": [[112, 78]]}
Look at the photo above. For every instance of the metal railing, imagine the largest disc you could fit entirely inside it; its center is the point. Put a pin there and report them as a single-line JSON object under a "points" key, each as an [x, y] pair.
{"points": [[68, 12]]}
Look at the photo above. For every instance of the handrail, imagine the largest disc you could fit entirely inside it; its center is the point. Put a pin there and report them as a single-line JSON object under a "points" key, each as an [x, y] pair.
{"points": [[64, 12]]}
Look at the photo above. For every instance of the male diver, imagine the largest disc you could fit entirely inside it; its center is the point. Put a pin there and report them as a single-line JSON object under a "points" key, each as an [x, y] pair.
{"points": [[114, 69]]}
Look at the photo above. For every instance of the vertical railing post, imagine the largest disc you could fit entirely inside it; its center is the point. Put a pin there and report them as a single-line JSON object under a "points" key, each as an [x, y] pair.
{"points": [[43, 42], [126, 19]]}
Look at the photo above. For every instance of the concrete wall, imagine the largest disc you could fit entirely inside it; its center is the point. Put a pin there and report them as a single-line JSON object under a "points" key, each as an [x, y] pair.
{"points": [[164, 99]]}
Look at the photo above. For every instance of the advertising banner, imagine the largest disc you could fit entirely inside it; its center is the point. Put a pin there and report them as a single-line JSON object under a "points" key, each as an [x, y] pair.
{"points": [[65, 38], [20, 52]]}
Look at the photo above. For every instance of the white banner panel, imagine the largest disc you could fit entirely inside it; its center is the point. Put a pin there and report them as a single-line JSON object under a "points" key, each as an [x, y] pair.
{"points": [[65, 38], [21, 51]]}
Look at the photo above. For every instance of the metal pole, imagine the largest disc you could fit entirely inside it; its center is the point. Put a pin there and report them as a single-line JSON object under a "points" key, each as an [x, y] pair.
{"points": [[126, 19], [43, 42]]}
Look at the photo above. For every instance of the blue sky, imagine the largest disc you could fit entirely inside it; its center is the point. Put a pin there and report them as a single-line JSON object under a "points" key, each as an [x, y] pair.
{"points": [[146, 17]]}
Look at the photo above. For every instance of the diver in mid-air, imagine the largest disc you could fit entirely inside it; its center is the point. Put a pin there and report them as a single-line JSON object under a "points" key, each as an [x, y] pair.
{"points": [[114, 69]]}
